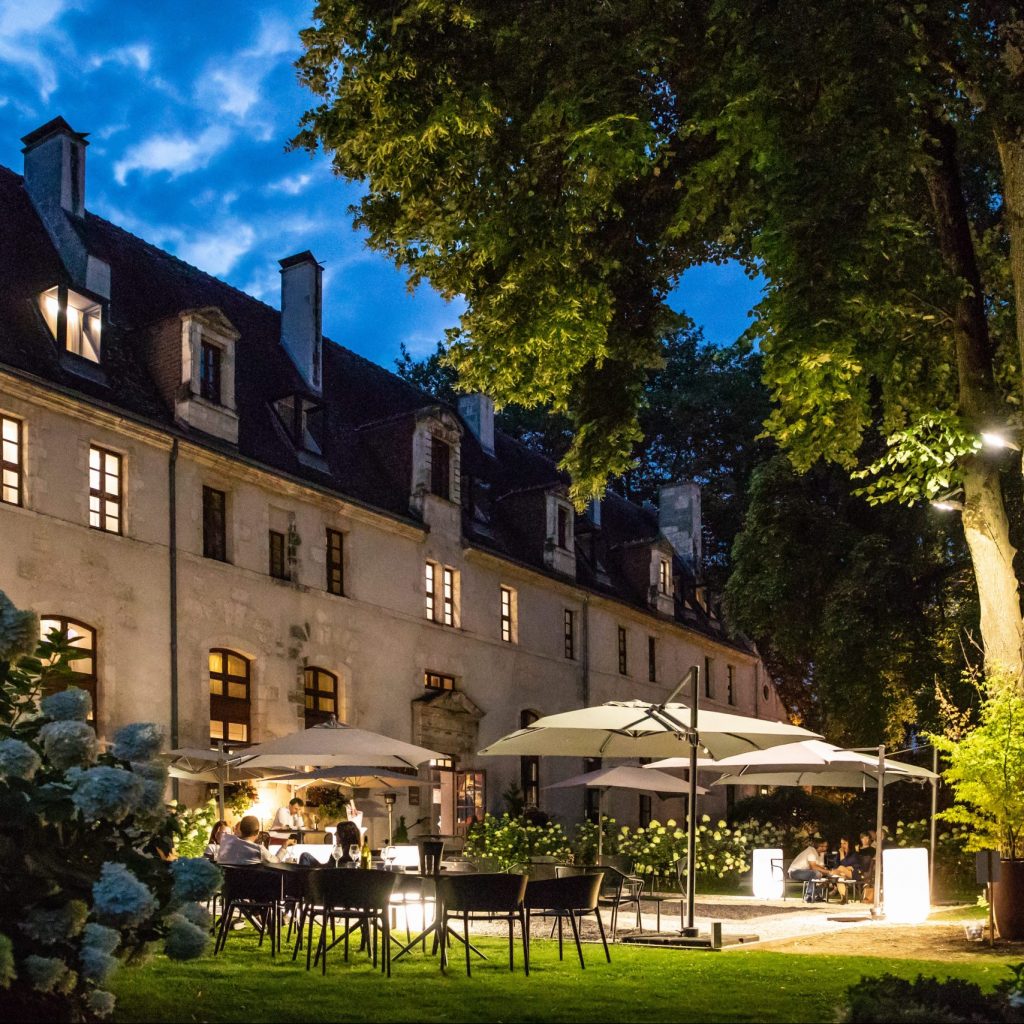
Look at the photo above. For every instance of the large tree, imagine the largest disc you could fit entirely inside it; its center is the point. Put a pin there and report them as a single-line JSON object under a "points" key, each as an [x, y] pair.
{"points": [[561, 164]]}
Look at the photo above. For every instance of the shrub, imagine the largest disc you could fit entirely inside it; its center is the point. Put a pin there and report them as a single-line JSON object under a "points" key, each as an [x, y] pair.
{"points": [[192, 828], [85, 843], [888, 998], [509, 842]]}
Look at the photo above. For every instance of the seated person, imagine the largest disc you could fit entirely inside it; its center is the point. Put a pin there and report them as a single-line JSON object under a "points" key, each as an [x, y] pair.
{"points": [[848, 866], [866, 853], [347, 836], [808, 865], [289, 819], [242, 848], [216, 834]]}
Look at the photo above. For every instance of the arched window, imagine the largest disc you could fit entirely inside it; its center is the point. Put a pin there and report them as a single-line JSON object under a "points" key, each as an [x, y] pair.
{"points": [[529, 767], [83, 669], [230, 696], [322, 696]]}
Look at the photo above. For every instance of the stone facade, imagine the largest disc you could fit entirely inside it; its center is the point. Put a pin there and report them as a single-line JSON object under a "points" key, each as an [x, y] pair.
{"points": [[159, 604]]}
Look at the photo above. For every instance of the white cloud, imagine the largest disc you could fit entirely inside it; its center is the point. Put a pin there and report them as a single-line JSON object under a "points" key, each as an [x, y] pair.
{"points": [[233, 90], [136, 55], [29, 39], [217, 251], [176, 154], [291, 185]]}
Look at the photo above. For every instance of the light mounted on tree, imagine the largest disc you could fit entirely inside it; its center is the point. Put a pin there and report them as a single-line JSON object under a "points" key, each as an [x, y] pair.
{"points": [[994, 439]]}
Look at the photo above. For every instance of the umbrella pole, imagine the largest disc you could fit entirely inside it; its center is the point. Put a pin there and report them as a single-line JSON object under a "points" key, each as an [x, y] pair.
{"points": [[691, 808], [600, 825], [876, 907], [931, 826], [221, 769]]}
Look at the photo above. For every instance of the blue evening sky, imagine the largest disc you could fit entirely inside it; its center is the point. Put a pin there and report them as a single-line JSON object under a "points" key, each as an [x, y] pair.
{"points": [[189, 106]]}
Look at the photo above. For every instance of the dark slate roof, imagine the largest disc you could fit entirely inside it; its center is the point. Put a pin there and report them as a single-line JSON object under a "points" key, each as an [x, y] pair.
{"points": [[370, 411]]}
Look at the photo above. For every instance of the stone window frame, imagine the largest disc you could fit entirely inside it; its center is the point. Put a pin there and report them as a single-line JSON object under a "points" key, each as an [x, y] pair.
{"points": [[231, 709], [623, 651], [335, 559], [12, 468], [509, 614], [569, 633], [313, 714], [106, 489], [84, 672], [209, 327]]}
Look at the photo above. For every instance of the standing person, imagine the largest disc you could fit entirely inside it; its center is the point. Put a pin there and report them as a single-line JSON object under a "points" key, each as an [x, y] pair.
{"points": [[809, 865], [242, 849]]}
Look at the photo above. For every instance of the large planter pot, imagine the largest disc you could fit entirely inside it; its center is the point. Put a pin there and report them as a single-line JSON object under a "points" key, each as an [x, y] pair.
{"points": [[1008, 900]]}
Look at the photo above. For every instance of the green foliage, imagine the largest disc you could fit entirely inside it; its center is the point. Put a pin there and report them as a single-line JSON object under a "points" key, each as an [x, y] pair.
{"points": [[953, 1001], [192, 828], [921, 462], [986, 772], [508, 842], [855, 609], [86, 881], [330, 804], [239, 797]]}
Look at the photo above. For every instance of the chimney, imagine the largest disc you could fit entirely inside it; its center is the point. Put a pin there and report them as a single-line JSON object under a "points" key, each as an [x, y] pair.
{"points": [[478, 412], [301, 315], [55, 182], [680, 522]]}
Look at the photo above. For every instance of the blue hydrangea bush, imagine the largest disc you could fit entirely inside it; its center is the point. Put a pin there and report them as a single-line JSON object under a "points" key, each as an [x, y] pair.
{"points": [[89, 880]]}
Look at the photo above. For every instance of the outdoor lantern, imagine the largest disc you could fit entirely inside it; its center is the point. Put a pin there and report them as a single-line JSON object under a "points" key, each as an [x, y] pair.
{"points": [[905, 885], [768, 881]]}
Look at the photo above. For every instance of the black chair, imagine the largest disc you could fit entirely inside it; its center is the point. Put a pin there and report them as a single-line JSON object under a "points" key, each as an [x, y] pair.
{"points": [[621, 890], [570, 896], [360, 899], [483, 897], [255, 893]]}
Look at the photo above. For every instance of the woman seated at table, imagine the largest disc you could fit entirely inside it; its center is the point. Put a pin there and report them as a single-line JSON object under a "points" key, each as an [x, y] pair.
{"points": [[212, 847], [848, 866], [347, 836]]}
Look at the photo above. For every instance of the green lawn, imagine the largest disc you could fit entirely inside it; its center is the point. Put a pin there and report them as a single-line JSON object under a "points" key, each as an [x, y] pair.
{"points": [[646, 985]]}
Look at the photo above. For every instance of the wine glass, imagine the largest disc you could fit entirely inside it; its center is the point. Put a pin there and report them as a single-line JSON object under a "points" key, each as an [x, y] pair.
{"points": [[336, 853], [389, 853], [353, 853]]}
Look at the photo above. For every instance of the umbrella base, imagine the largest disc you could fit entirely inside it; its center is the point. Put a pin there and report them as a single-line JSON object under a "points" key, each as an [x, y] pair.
{"points": [[687, 941]]}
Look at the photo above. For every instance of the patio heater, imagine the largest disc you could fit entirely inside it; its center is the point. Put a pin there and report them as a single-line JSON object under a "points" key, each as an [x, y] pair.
{"points": [[389, 800]]}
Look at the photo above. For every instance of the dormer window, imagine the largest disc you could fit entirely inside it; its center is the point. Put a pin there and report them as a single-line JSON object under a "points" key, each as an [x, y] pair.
{"points": [[559, 526], [664, 576], [440, 468], [302, 420], [209, 372], [76, 322], [563, 527]]}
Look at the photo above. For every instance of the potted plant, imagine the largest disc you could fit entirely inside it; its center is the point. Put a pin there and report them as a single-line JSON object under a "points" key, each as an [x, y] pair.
{"points": [[986, 773]]}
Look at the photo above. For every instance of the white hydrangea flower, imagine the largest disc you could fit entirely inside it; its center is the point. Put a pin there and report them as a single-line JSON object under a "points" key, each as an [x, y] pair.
{"points": [[107, 794], [184, 940], [140, 741], [68, 743], [19, 631], [119, 898], [101, 1003], [70, 705], [48, 974]]}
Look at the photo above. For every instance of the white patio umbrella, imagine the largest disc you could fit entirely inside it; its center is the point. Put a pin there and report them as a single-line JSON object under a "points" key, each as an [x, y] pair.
{"points": [[335, 745], [623, 776], [632, 729], [354, 777], [195, 764], [816, 763]]}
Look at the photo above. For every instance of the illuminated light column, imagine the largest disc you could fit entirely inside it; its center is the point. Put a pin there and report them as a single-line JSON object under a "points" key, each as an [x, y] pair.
{"points": [[905, 885], [768, 880]]}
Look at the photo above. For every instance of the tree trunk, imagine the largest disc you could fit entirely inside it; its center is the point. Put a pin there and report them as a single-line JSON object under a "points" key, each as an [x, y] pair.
{"points": [[987, 532], [984, 518], [1011, 157]]}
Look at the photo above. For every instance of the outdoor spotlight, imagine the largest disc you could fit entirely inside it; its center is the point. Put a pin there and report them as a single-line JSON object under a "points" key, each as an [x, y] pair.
{"points": [[948, 506], [992, 439]]}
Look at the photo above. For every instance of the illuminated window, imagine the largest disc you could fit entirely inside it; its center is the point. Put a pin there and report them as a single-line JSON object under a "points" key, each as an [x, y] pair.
{"points": [[278, 563], [83, 668], [105, 490], [509, 616], [569, 625], [209, 371], [441, 594], [623, 666], [652, 659], [11, 460], [78, 330], [430, 590], [230, 696], [335, 562], [436, 681], [448, 596], [664, 576], [321, 696]]}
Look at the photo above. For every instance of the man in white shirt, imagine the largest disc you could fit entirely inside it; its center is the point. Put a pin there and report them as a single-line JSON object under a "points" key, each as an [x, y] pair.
{"points": [[242, 849], [289, 818], [808, 865]]}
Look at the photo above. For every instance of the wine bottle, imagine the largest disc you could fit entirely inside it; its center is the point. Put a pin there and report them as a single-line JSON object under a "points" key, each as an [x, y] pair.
{"points": [[365, 859]]}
